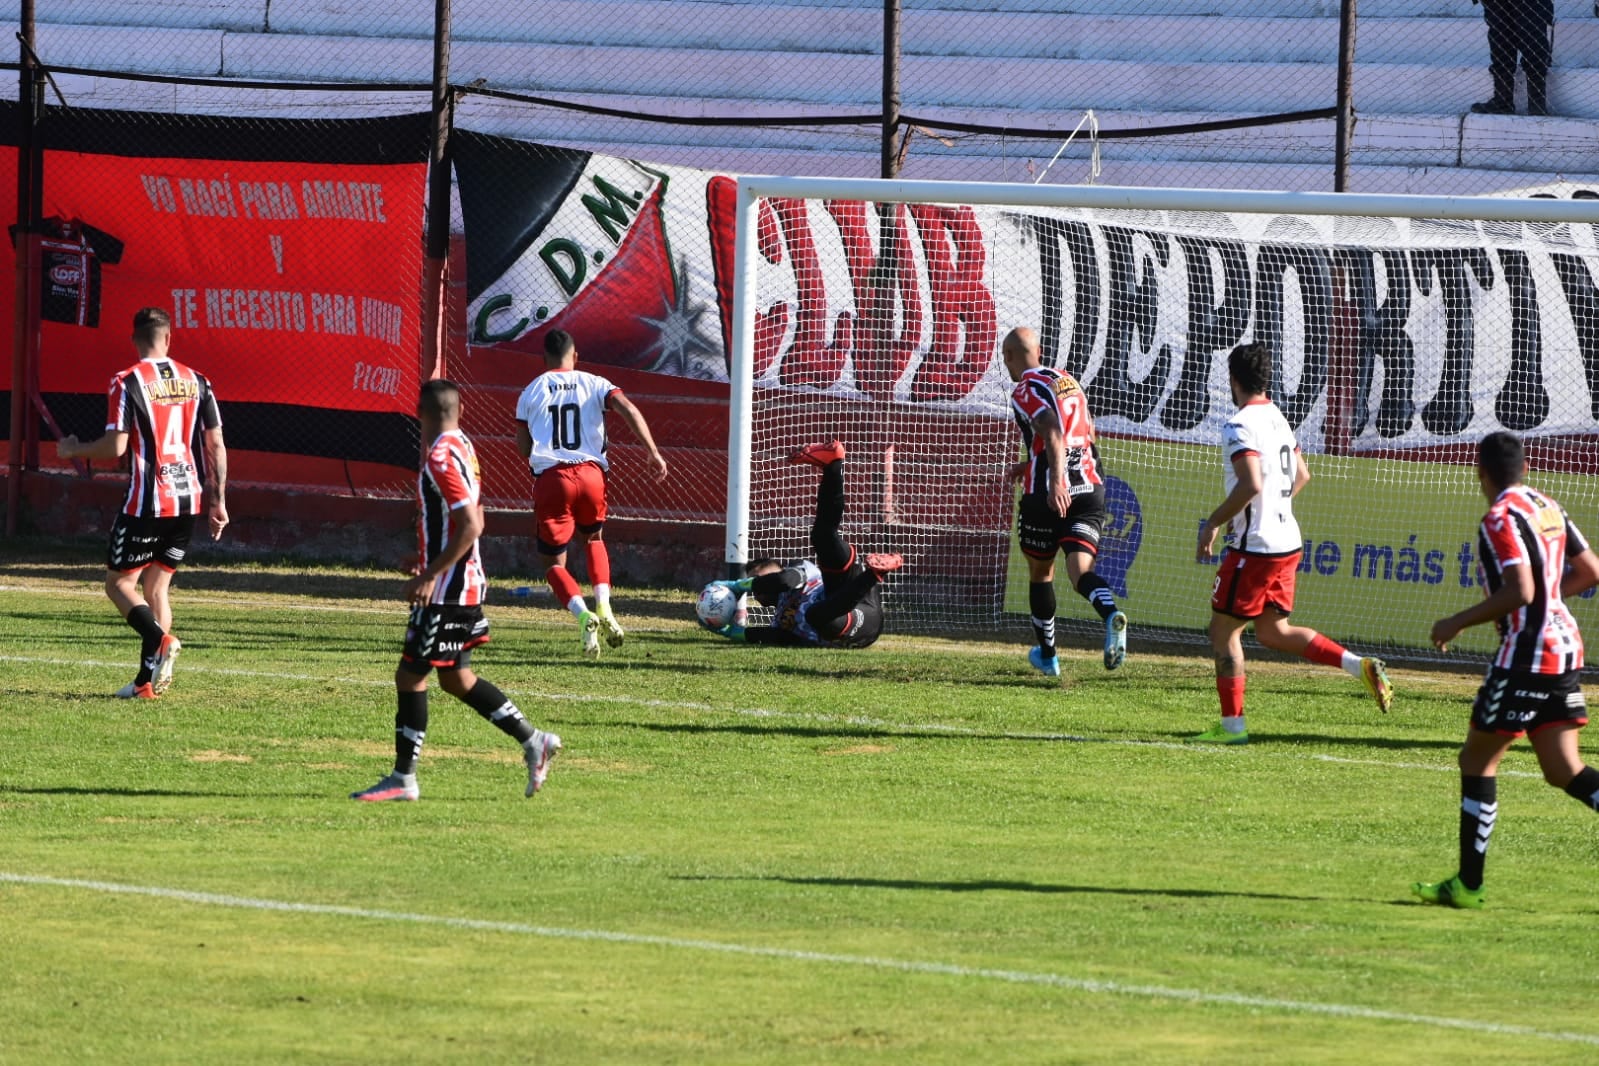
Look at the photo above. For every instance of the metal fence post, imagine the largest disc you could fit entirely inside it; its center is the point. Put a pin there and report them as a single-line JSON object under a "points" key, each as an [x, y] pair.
{"points": [[437, 256], [891, 42], [1346, 95]]}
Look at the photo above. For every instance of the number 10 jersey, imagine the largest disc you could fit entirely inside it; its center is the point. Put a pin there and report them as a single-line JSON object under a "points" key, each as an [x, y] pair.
{"points": [[564, 411]]}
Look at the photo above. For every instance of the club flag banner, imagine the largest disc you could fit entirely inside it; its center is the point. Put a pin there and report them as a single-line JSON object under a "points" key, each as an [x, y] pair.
{"points": [[1438, 331], [287, 252], [620, 254]]}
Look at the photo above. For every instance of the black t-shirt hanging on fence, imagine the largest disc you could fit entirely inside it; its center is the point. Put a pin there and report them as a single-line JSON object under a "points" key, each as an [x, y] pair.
{"points": [[70, 254]]}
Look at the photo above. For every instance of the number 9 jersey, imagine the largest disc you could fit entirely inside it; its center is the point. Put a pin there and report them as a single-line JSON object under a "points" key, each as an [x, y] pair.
{"points": [[1266, 526], [564, 411]]}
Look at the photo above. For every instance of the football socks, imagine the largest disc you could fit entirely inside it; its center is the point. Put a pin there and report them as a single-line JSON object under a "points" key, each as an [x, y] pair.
{"points": [[1584, 788], [1479, 807], [410, 729], [488, 701], [1041, 602], [142, 619], [1096, 590]]}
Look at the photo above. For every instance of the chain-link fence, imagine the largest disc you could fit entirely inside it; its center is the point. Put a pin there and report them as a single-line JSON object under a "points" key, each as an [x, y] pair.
{"points": [[549, 224], [1146, 92]]}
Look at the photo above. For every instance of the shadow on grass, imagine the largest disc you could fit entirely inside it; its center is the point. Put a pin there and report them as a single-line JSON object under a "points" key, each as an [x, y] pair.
{"points": [[310, 581], [1312, 740], [844, 729], [987, 885], [380, 585], [175, 793]]}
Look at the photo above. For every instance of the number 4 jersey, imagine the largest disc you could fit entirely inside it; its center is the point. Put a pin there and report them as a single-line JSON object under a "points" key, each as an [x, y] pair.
{"points": [[162, 406], [564, 411]]}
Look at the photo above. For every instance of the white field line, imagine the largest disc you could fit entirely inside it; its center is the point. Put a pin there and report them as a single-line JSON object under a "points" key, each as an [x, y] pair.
{"points": [[941, 969], [890, 640], [909, 729]]}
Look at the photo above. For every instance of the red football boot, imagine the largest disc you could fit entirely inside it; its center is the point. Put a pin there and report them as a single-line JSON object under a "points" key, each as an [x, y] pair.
{"points": [[819, 454], [881, 563]]}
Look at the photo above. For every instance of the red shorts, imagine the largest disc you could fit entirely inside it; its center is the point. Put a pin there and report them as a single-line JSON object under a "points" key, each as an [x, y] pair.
{"points": [[1247, 584], [564, 497]]}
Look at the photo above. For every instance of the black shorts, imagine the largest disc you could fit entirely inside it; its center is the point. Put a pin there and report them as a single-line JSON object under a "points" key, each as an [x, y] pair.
{"points": [[1513, 702], [442, 636], [1042, 532], [860, 628], [136, 542]]}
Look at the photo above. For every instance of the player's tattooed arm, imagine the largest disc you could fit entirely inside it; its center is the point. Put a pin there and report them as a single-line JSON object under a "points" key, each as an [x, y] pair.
{"points": [[1047, 427], [216, 480]]}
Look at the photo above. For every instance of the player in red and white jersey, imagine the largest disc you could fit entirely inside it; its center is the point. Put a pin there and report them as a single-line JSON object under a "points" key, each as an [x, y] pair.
{"points": [[1526, 529], [161, 405], [446, 597], [447, 490], [1255, 583], [561, 433], [1062, 507], [156, 408], [1530, 558]]}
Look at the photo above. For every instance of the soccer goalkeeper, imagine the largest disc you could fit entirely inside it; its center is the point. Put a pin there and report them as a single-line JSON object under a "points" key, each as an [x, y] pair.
{"points": [[833, 602]]}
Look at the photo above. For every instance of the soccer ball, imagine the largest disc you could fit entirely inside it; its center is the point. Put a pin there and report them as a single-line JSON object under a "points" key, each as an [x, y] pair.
{"points": [[716, 606]]}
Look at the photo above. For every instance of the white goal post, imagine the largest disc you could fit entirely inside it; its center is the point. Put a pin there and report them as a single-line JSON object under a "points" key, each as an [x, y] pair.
{"points": [[1403, 328]]}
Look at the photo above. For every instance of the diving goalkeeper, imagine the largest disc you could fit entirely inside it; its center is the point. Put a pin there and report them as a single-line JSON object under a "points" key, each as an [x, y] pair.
{"points": [[833, 602]]}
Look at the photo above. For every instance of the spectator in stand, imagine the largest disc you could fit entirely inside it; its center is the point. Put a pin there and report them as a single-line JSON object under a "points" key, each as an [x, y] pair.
{"points": [[1518, 27]]}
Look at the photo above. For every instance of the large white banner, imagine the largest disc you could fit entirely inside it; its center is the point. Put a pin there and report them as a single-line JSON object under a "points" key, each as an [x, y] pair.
{"points": [[1388, 335]]}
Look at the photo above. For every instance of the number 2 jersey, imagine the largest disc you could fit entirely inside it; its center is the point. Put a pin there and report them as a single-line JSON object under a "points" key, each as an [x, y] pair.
{"points": [[1526, 528], [447, 483], [1042, 390], [1266, 525], [564, 411], [162, 406]]}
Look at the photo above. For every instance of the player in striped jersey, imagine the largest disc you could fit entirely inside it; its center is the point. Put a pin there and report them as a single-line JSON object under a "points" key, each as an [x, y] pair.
{"points": [[834, 602], [1256, 579], [157, 407], [1530, 558], [1063, 497], [561, 433], [446, 597]]}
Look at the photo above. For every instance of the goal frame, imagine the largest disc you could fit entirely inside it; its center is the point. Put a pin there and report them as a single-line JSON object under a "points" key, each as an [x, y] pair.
{"points": [[752, 189]]}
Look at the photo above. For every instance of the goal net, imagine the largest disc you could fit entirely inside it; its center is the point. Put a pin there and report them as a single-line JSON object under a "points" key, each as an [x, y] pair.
{"points": [[1402, 330]]}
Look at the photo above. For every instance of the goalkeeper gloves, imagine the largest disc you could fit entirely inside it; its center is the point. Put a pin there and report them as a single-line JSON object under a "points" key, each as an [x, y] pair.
{"points": [[741, 586], [731, 631]]}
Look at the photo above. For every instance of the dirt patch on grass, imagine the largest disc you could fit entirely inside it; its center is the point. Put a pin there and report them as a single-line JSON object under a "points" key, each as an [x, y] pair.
{"points": [[861, 749], [219, 756], [603, 766]]}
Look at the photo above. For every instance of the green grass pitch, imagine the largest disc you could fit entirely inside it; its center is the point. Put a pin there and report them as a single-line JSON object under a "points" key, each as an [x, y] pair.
{"points": [[920, 853]]}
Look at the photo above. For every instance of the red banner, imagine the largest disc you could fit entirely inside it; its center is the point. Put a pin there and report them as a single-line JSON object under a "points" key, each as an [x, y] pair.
{"points": [[288, 254]]}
